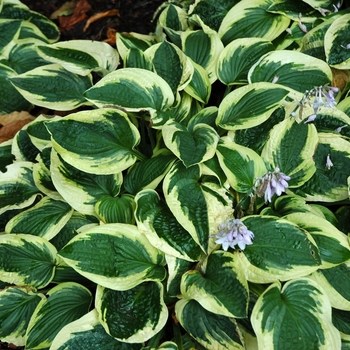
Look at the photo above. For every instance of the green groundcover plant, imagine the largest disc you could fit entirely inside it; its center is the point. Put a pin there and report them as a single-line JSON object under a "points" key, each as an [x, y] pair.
{"points": [[196, 196]]}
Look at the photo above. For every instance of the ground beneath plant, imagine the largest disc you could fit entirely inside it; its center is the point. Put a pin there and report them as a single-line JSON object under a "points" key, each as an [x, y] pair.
{"points": [[95, 20]]}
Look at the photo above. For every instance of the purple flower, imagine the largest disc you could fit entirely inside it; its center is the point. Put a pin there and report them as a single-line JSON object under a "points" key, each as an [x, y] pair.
{"points": [[273, 182], [233, 232], [329, 163]]}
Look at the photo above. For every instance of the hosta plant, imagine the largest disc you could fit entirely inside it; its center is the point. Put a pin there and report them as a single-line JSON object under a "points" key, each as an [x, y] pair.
{"points": [[195, 195]]}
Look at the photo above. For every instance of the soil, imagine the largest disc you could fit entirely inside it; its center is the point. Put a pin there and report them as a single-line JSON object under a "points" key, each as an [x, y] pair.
{"points": [[112, 16]]}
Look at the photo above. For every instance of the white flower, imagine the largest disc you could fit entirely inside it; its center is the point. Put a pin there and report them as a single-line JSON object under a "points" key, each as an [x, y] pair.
{"points": [[340, 128], [233, 232], [273, 182], [329, 163], [311, 118]]}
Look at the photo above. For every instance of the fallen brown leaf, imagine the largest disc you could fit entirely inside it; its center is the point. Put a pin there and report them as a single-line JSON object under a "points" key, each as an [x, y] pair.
{"points": [[98, 16], [66, 9], [11, 123], [111, 36], [340, 78], [67, 22]]}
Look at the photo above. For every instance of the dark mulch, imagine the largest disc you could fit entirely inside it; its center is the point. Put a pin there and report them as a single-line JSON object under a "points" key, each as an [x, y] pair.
{"points": [[120, 15]]}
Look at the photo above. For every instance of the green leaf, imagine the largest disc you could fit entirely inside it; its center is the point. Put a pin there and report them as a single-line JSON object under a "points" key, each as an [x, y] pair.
{"points": [[26, 260], [82, 56], [292, 69], [11, 100], [176, 268], [171, 64], [133, 315], [6, 156], [341, 320], [198, 206], [17, 188], [65, 303], [23, 56], [116, 209], [336, 40], [204, 48], [328, 184], [133, 89], [77, 139], [9, 31], [241, 165], [237, 58], [126, 41], [173, 17], [250, 18], [214, 332], [222, 287], [128, 257], [18, 11], [291, 148], [87, 188], [199, 87], [334, 281], [280, 251], [332, 243], [250, 105], [191, 146], [148, 173], [256, 137], [136, 58], [45, 219], [297, 316], [53, 87], [155, 219], [211, 13], [86, 333], [16, 308]]}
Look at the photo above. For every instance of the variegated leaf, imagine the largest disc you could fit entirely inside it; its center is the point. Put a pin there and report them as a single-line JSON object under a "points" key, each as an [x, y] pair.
{"points": [[82, 56], [250, 18], [16, 308], [87, 332], [292, 252], [53, 87], [66, 303], [80, 189], [221, 288], [291, 148], [330, 182], [336, 43], [133, 89], [128, 258], [26, 260], [17, 187], [300, 310], [192, 146], [134, 315], [237, 58], [292, 69], [100, 141], [45, 219], [171, 64], [250, 105], [199, 206], [214, 332], [157, 222], [241, 165]]}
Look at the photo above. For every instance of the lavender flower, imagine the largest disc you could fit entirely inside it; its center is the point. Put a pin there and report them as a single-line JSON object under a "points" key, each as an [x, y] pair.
{"points": [[233, 232], [329, 163], [273, 182]]}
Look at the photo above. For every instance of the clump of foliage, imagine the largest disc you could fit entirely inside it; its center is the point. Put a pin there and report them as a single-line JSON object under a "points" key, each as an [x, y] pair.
{"points": [[196, 195]]}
